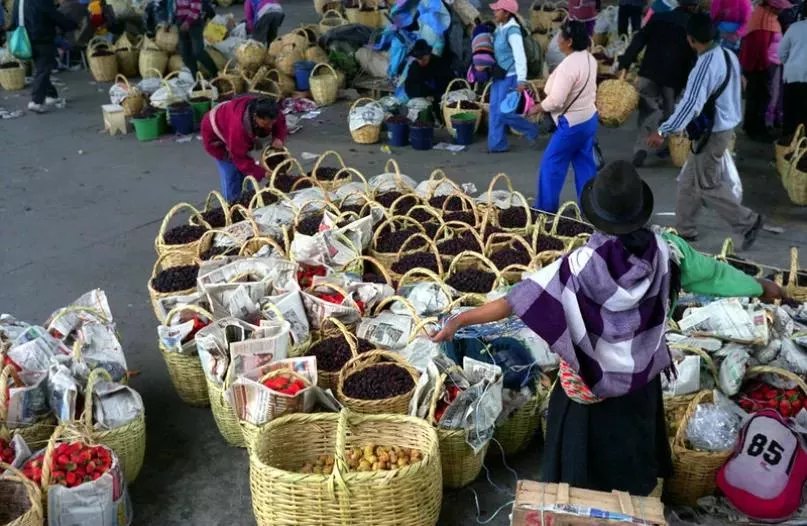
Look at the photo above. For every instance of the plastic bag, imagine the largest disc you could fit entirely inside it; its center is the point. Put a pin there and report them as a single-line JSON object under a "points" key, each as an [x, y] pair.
{"points": [[732, 176], [688, 379], [732, 369], [713, 428], [606, 21]]}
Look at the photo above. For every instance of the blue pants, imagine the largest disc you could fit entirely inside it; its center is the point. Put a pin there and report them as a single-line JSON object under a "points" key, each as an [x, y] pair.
{"points": [[569, 144], [231, 180], [498, 121]]}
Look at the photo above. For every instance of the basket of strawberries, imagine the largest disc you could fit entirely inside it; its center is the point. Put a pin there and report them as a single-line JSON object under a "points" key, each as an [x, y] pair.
{"points": [[758, 394]]}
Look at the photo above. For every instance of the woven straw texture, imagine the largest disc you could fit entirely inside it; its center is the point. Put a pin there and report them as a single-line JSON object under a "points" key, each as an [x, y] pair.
{"points": [[151, 58], [331, 19], [188, 248], [782, 150], [410, 496], [134, 101], [325, 85], [36, 435], [792, 287], [185, 368], [370, 133], [395, 405], [617, 99], [167, 261], [795, 179], [103, 67], [250, 55], [224, 415], [679, 149], [516, 433], [167, 38], [453, 108], [127, 52], [693, 471], [19, 498], [12, 79]]}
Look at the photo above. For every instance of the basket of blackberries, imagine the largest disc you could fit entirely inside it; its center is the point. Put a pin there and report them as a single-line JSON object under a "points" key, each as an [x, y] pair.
{"points": [[182, 238], [377, 382], [472, 272]]}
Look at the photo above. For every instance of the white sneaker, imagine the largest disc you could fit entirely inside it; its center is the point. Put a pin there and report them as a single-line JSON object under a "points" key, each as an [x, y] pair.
{"points": [[36, 108], [53, 101]]}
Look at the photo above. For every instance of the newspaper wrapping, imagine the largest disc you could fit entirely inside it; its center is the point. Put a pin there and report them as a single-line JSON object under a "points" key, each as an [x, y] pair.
{"points": [[387, 330], [11, 328], [358, 231], [63, 390], [688, 377], [428, 299], [291, 307], [37, 355], [172, 336], [252, 401], [512, 400], [213, 344], [273, 219], [271, 341], [21, 451], [707, 344], [95, 300], [732, 368], [168, 303], [329, 248], [28, 402], [115, 405], [100, 348], [370, 294], [102, 502], [501, 199], [729, 320], [319, 309]]}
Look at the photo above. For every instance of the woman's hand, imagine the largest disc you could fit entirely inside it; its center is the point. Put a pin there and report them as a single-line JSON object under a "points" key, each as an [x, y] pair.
{"points": [[535, 110], [451, 326], [521, 87], [770, 291], [277, 144]]}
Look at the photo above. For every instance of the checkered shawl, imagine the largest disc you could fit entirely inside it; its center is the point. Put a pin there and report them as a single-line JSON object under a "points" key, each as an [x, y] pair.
{"points": [[602, 310]]}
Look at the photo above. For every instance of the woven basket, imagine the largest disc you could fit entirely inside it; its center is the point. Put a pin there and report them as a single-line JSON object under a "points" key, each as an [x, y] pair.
{"points": [[151, 58], [397, 404], [20, 498], [35, 434], [278, 405], [453, 108], [330, 379], [369, 133], [323, 6], [617, 99], [166, 261], [518, 430], [477, 261], [330, 184], [727, 255], [202, 88], [224, 415], [250, 55], [372, 18], [316, 55], [394, 222], [175, 63], [543, 37], [235, 76], [452, 229], [167, 38], [461, 465], [543, 15], [135, 101], [288, 56], [694, 472], [284, 82], [491, 215], [679, 146], [675, 407], [409, 496], [783, 149], [793, 288], [127, 441], [127, 53], [573, 242], [603, 68], [330, 20], [497, 242], [430, 246], [104, 68], [260, 85], [13, 79], [795, 179], [191, 248], [324, 88], [185, 368]]}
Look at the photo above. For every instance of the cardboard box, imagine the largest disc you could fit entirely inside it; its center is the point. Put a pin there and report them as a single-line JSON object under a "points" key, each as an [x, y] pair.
{"points": [[539, 504]]}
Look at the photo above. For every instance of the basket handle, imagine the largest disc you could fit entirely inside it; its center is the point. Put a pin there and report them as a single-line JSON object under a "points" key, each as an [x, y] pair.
{"points": [[325, 206], [393, 207], [798, 153], [800, 132], [429, 274], [8, 371], [322, 158], [727, 249], [451, 84], [332, 13], [323, 64], [438, 388], [568, 204], [430, 210], [96, 375], [473, 255], [421, 326], [179, 309], [690, 411], [207, 239], [710, 364], [438, 177], [97, 42], [362, 99], [285, 371], [405, 302], [454, 228], [246, 248], [381, 269], [792, 278], [270, 152], [171, 213], [47, 458], [34, 495], [120, 78], [429, 245], [502, 176], [292, 163], [349, 337], [762, 369], [350, 172], [391, 223], [510, 238]]}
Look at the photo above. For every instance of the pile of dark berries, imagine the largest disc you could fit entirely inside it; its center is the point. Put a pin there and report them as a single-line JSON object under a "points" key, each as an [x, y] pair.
{"points": [[284, 183], [309, 225], [370, 277], [460, 243], [325, 173], [215, 217], [102, 53], [468, 105], [472, 280], [513, 217], [509, 256], [184, 234], [273, 161], [378, 382], [801, 278], [387, 198], [544, 243], [333, 353], [176, 279], [391, 242], [356, 209], [415, 260], [214, 251], [404, 205], [421, 215], [570, 227], [490, 230], [463, 216]]}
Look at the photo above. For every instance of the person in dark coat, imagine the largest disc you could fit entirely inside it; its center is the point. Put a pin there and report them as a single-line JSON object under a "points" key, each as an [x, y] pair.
{"points": [[664, 70], [424, 78], [42, 19]]}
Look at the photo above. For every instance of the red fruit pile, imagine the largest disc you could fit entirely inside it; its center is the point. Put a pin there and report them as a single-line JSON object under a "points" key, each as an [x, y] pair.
{"points": [[330, 297], [285, 384], [198, 325], [759, 395], [451, 394], [6, 452], [72, 464], [305, 276]]}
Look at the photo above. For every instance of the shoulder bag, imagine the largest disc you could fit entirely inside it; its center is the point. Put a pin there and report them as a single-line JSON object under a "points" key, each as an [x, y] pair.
{"points": [[19, 44]]}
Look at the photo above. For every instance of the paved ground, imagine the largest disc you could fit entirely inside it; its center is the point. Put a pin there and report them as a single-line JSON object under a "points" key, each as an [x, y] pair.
{"points": [[80, 210]]}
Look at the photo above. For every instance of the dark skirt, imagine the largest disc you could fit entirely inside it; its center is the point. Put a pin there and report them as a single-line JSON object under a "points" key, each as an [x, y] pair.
{"points": [[617, 444]]}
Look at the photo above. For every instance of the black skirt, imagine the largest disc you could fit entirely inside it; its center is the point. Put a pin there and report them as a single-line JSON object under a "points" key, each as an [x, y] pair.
{"points": [[617, 444]]}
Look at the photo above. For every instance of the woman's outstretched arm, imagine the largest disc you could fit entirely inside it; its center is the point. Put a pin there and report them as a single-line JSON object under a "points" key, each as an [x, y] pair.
{"points": [[493, 311]]}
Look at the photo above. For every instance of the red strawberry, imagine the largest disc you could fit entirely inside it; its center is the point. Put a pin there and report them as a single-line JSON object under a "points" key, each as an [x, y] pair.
{"points": [[785, 408], [746, 404], [96, 475], [90, 468], [62, 460], [797, 405], [773, 404], [57, 474], [71, 479]]}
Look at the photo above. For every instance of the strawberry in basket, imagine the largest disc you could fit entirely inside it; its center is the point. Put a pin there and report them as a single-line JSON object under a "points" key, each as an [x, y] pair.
{"points": [[6, 451], [759, 395], [72, 464], [285, 384]]}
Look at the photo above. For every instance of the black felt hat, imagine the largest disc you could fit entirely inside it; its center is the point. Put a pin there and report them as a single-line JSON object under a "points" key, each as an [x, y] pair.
{"points": [[617, 201], [420, 49]]}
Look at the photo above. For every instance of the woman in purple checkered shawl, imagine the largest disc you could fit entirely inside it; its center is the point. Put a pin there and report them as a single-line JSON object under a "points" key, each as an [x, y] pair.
{"points": [[603, 309]]}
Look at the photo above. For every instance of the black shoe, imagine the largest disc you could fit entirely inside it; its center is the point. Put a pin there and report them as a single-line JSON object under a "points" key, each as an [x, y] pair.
{"points": [[639, 158], [751, 235]]}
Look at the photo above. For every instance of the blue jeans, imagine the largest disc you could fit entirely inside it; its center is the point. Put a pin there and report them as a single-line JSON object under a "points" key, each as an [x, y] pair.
{"points": [[569, 144], [498, 121], [231, 180]]}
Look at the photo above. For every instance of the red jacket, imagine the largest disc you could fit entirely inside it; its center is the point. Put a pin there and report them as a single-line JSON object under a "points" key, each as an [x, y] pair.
{"points": [[237, 138]]}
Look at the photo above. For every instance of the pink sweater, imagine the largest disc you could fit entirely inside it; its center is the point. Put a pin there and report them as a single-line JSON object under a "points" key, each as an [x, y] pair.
{"points": [[738, 11], [563, 85]]}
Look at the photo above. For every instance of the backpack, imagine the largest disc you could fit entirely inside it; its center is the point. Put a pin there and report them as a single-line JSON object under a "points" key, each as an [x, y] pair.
{"points": [[764, 476], [533, 52]]}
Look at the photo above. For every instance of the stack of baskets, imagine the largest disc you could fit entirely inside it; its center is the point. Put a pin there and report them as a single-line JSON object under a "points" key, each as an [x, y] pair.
{"points": [[365, 14], [250, 55], [151, 58], [102, 60], [167, 38], [331, 19]]}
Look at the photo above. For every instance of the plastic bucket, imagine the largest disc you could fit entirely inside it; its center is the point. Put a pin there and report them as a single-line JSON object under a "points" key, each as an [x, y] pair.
{"points": [[147, 129], [398, 133], [421, 138], [199, 110], [181, 120], [302, 70], [463, 131]]}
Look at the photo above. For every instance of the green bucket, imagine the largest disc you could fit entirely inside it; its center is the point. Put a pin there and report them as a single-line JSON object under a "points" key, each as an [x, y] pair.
{"points": [[147, 129], [463, 117], [199, 110]]}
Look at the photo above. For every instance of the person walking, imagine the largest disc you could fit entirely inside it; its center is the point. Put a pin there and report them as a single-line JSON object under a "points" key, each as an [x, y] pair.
{"points": [[231, 130], [41, 19], [709, 110], [510, 73], [603, 308], [793, 52], [630, 12], [761, 66], [585, 11], [731, 18], [571, 91], [668, 59], [189, 16], [263, 18]]}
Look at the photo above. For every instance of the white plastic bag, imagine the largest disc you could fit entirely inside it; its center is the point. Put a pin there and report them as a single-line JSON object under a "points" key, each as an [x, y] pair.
{"points": [[606, 21], [732, 176]]}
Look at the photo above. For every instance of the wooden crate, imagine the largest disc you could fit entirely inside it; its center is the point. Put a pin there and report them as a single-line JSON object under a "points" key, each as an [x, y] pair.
{"points": [[563, 505]]}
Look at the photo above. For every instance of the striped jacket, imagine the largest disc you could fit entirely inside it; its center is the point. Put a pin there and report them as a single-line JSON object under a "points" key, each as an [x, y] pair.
{"points": [[705, 79], [187, 11]]}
